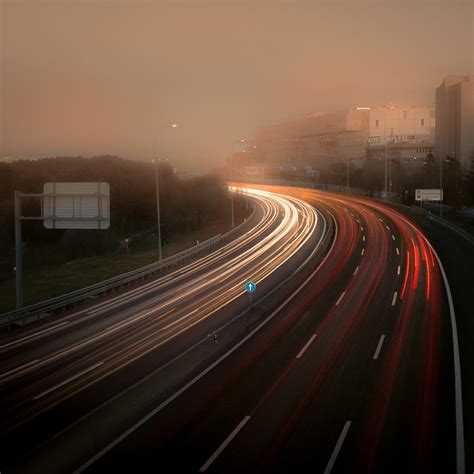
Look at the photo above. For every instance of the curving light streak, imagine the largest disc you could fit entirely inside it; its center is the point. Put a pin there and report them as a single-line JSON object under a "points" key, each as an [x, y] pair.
{"points": [[188, 296]]}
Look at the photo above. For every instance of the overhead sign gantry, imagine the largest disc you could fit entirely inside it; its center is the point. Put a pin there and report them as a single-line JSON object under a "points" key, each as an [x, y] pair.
{"points": [[63, 206]]}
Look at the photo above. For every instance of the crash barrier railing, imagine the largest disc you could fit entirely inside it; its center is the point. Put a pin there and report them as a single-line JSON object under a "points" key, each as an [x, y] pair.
{"points": [[45, 308], [359, 193]]}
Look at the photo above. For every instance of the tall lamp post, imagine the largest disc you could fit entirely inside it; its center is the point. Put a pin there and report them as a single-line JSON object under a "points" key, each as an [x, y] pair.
{"points": [[231, 166], [158, 221], [157, 185], [387, 161]]}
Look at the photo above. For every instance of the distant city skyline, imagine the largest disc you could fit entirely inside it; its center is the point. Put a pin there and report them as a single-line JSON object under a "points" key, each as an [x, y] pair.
{"points": [[97, 78]]}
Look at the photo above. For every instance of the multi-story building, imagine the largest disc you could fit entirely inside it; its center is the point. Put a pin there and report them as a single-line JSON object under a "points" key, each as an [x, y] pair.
{"points": [[405, 134], [317, 139], [353, 134], [398, 123], [455, 119]]}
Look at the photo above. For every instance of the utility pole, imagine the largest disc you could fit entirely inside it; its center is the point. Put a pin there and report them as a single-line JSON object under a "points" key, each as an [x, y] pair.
{"points": [[231, 198], [158, 223], [386, 167], [347, 176]]}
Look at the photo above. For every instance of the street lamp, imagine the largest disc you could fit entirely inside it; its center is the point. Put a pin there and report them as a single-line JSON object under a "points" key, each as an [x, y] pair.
{"points": [[387, 164], [157, 185], [158, 222], [231, 193]]}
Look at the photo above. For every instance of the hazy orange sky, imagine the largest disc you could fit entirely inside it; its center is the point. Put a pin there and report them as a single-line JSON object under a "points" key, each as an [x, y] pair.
{"points": [[90, 77]]}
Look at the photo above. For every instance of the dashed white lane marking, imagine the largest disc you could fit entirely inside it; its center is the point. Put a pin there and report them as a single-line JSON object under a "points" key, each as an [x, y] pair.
{"points": [[363, 238], [394, 299], [361, 228], [340, 298], [379, 346], [393, 237], [70, 379], [356, 270], [388, 228], [224, 444], [398, 251], [8, 344], [337, 448], [17, 369], [362, 251], [398, 270], [302, 351]]}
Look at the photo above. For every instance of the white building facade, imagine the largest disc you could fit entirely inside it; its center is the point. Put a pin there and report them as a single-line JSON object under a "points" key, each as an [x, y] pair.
{"points": [[401, 124], [353, 134]]}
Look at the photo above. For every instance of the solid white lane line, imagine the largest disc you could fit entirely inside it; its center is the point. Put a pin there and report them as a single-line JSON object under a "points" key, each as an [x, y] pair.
{"points": [[398, 251], [363, 238], [398, 270], [393, 237], [340, 298], [362, 251], [356, 270], [70, 379], [302, 351], [8, 344], [224, 444], [17, 369], [394, 300], [337, 448], [460, 456], [379, 346]]}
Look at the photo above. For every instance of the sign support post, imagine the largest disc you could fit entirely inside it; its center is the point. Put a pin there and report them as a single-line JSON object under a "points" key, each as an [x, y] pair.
{"points": [[58, 211], [18, 253], [250, 288]]}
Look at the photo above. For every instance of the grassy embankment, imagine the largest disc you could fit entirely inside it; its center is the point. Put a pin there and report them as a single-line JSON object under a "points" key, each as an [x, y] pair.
{"points": [[45, 282]]}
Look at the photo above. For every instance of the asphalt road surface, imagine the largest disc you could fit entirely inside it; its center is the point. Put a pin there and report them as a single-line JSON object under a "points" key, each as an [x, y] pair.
{"points": [[56, 372], [352, 374]]}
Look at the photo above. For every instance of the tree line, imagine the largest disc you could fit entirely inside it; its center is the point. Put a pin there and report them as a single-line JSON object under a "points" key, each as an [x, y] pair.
{"points": [[185, 205]]}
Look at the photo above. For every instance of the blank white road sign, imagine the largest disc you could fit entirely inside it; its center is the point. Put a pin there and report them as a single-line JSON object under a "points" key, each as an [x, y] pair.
{"points": [[76, 205], [428, 195]]}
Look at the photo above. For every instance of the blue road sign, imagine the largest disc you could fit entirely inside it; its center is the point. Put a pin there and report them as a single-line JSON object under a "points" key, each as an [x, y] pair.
{"points": [[250, 286]]}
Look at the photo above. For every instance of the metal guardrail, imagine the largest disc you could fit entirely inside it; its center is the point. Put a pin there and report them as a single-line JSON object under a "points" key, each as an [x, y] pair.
{"points": [[361, 194], [43, 309]]}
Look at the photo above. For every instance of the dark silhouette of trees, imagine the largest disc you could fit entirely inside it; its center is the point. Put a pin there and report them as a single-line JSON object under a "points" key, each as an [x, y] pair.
{"points": [[185, 205]]}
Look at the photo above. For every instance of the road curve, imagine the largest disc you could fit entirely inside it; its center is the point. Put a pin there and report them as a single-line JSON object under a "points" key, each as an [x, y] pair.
{"points": [[54, 373], [353, 374]]}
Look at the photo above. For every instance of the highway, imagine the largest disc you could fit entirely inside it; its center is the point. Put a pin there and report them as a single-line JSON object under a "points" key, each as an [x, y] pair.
{"points": [[352, 373], [54, 373]]}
